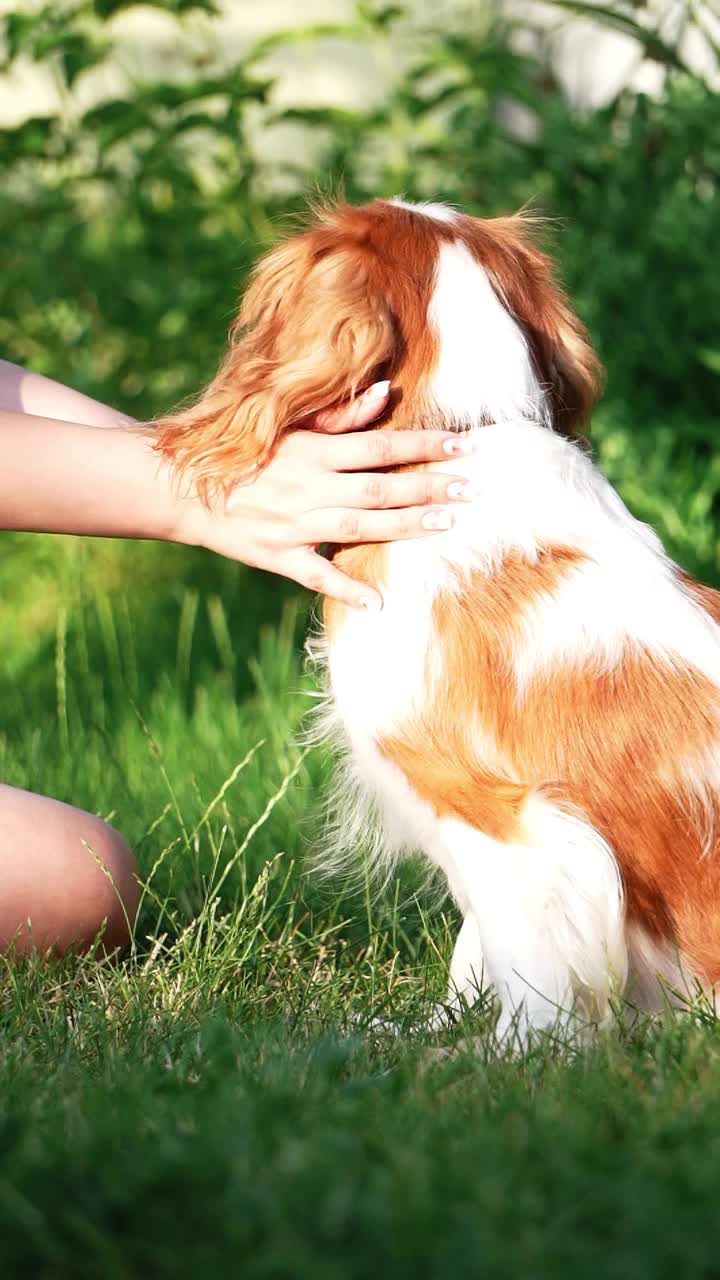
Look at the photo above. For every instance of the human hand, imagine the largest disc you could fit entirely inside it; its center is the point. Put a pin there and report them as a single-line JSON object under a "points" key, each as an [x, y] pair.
{"points": [[324, 486]]}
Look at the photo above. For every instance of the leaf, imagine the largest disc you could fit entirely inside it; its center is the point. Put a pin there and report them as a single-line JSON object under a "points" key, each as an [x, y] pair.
{"points": [[234, 84], [107, 8], [382, 17], [30, 138], [114, 120], [710, 358], [79, 52], [340, 118], [653, 44], [202, 120], [303, 35], [20, 32], [150, 107]]}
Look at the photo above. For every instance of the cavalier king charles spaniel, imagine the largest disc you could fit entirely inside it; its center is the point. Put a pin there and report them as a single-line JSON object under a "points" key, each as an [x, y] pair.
{"points": [[536, 707]]}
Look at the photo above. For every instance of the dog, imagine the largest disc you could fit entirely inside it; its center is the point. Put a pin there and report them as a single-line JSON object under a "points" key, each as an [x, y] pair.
{"points": [[536, 707]]}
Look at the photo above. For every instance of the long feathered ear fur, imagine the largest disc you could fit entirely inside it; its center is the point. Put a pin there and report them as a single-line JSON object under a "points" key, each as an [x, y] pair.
{"points": [[311, 331]]}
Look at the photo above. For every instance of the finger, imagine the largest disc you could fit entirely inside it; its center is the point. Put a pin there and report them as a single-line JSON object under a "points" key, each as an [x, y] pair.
{"points": [[352, 525], [356, 413], [364, 451], [321, 576], [380, 490]]}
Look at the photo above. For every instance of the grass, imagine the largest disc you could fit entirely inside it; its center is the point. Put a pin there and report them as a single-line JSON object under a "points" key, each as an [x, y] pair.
{"points": [[221, 1098]]}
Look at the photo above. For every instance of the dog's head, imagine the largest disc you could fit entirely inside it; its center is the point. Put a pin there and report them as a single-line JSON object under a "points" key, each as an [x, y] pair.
{"points": [[461, 314]]}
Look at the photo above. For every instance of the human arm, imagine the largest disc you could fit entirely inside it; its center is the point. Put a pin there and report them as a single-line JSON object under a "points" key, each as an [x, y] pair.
{"points": [[108, 481], [22, 391]]}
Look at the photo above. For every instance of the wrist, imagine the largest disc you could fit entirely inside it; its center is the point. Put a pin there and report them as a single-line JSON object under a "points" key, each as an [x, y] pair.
{"points": [[63, 477], [144, 501], [183, 516]]}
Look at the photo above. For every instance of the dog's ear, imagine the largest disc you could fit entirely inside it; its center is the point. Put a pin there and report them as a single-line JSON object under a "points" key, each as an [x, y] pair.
{"points": [[566, 362], [312, 331], [523, 276]]}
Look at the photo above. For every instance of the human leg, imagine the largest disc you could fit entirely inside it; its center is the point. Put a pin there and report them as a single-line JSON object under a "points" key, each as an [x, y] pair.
{"points": [[65, 876]]}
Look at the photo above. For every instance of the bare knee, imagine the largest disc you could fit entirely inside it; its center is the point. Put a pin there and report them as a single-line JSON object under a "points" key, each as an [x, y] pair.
{"points": [[68, 878], [111, 890]]}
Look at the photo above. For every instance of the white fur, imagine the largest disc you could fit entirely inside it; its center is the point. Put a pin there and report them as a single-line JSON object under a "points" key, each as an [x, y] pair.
{"points": [[658, 976], [374, 804], [483, 369], [370, 803], [468, 976], [548, 915], [467, 968], [544, 919], [427, 209]]}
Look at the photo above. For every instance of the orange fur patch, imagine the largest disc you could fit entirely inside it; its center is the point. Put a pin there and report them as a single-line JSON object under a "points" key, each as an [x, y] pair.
{"points": [[707, 597], [365, 563], [471, 699]]}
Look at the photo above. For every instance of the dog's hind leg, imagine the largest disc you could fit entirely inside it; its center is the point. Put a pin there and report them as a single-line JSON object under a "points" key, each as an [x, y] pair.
{"points": [[549, 917]]}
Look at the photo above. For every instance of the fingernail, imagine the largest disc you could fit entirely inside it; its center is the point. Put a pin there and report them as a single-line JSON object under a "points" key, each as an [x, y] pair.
{"points": [[458, 489], [456, 445], [438, 520], [378, 391], [372, 603]]}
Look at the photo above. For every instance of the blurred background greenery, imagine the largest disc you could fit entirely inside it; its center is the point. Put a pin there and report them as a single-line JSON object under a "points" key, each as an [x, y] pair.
{"points": [[142, 174]]}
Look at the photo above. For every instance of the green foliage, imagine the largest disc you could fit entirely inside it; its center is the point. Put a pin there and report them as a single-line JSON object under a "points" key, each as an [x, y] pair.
{"points": [[130, 227]]}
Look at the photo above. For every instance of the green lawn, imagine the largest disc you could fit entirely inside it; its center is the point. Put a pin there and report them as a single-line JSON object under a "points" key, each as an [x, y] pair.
{"points": [[217, 1100]]}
